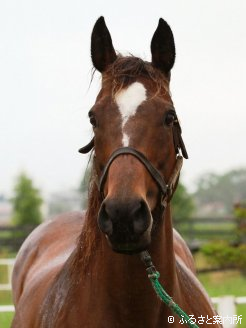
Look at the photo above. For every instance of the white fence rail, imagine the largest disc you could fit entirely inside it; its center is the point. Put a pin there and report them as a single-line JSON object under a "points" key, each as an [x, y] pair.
{"points": [[7, 308], [226, 305]]}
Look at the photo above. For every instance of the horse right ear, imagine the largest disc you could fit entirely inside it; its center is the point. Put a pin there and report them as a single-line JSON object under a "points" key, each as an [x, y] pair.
{"points": [[163, 47], [102, 50]]}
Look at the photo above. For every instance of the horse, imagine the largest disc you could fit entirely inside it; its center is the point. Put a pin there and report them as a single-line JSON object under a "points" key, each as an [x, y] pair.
{"points": [[83, 270]]}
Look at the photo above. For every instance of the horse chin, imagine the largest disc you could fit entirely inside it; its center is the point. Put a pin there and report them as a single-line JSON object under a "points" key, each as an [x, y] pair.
{"points": [[129, 251], [129, 248]]}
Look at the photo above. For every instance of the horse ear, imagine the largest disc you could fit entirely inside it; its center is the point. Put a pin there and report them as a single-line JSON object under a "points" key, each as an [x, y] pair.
{"points": [[163, 47], [102, 50]]}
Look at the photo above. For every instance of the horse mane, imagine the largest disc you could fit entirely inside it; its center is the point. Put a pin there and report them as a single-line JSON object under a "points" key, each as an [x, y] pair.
{"points": [[126, 70], [89, 239], [79, 261]]}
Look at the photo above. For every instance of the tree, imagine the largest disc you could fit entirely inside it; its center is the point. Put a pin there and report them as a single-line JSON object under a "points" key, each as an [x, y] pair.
{"points": [[225, 256], [182, 203], [26, 202], [240, 215], [222, 190]]}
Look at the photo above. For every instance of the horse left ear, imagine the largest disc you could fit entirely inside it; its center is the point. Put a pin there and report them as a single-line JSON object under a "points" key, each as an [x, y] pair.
{"points": [[163, 47], [102, 50]]}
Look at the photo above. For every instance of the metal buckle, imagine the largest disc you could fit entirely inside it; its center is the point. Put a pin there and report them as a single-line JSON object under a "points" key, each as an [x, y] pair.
{"points": [[164, 198]]}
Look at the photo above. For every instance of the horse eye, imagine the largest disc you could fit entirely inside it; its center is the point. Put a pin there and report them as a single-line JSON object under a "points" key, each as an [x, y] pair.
{"points": [[170, 117], [92, 119]]}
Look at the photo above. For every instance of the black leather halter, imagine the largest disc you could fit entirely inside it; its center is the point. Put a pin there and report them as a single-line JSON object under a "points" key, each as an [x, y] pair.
{"points": [[166, 189], [150, 168]]}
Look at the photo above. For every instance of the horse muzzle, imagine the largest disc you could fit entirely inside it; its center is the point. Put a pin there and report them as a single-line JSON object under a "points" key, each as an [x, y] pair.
{"points": [[127, 225]]}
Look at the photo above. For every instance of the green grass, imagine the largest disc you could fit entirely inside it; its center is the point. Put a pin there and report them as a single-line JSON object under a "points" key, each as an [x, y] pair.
{"points": [[5, 295], [5, 299], [226, 283], [6, 319], [221, 283]]}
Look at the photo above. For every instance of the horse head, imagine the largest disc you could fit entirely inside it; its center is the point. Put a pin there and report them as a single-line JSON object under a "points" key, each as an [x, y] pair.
{"points": [[137, 138]]}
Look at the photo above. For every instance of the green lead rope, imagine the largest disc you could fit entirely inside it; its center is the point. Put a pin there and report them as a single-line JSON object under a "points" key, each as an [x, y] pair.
{"points": [[161, 293]]}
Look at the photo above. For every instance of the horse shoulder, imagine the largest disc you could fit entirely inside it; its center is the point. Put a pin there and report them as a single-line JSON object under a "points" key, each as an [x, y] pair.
{"points": [[195, 300], [45, 249], [182, 251]]}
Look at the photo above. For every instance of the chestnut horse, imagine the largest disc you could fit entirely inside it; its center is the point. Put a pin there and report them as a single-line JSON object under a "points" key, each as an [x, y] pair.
{"points": [[84, 270]]}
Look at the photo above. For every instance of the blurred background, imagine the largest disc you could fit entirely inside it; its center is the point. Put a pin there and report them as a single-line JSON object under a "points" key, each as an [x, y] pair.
{"points": [[46, 94]]}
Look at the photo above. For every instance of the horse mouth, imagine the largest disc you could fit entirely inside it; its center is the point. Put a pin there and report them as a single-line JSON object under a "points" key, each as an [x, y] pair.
{"points": [[129, 248], [128, 251]]}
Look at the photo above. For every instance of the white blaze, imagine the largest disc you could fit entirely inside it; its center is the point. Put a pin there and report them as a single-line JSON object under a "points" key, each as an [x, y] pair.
{"points": [[128, 101], [125, 140]]}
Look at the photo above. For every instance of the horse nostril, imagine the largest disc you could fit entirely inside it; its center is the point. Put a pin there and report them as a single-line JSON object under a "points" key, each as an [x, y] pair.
{"points": [[141, 218], [104, 221]]}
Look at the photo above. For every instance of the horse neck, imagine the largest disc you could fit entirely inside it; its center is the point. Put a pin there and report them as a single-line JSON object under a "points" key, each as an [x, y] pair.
{"points": [[115, 287], [162, 250]]}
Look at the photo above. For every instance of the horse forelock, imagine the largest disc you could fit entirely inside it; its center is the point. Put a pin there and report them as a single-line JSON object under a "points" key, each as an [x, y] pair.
{"points": [[128, 69]]}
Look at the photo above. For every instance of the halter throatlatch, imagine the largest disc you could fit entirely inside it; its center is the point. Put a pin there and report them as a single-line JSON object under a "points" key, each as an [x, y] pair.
{"points": [[166, 189]]}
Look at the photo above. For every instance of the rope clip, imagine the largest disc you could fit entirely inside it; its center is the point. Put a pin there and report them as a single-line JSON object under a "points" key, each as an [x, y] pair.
{"points": [[150, 268]]}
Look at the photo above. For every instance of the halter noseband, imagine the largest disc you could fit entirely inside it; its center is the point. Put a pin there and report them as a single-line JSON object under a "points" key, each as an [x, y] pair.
{"points": [[150, 168], [166, 189]]}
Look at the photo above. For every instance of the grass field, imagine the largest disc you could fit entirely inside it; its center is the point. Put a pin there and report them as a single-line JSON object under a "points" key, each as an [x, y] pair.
{"points": [[226, 283], [5, 299], [5, 320], [216, 284]]}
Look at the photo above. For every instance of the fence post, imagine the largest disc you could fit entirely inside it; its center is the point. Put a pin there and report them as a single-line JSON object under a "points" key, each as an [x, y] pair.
{"points": [[227, 309]]}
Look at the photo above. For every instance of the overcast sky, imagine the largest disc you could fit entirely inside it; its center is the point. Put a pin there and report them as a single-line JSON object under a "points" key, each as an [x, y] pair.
{"points": [[45, 72]]}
